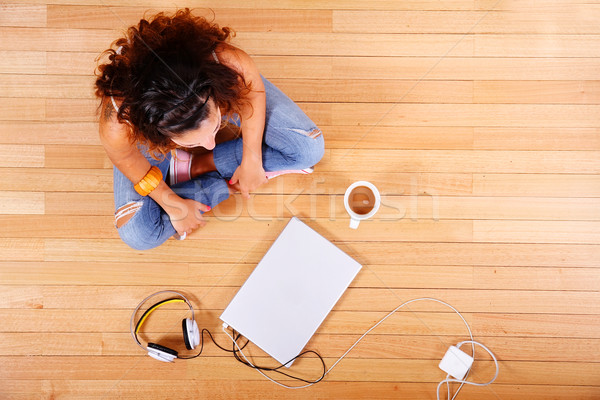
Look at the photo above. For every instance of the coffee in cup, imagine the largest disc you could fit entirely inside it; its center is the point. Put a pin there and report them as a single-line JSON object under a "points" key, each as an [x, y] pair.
{"points": [[362, 201]]}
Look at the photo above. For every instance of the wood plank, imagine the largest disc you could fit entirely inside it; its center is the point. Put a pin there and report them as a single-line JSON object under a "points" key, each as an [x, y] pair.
{"points": [[313, 4], [64, 321], [347, 44], [12, 249], [515, 372], [22, 62], [57, 226], [15, 155], [376, 91], [399, 137], [524, 68], [489, 208], [47, 86], [536, 185], [61, 273], [461, 138], [537, 92], [490, 138], [416, 5], [435, 45], [69, 203], [111, 250], [24, 109], [71, 133], [18, 15], [399, 253], [73, 63], [475, 161], [223, 389], [559, 5], [431, 347], [508, 115], [71, 180], [407, 22], [22, 203], [507, 68], [537, 231], [511, 208], [241, 20], [535, 45], [349, 370], [575, 20], [84, 157], [54, 39], [71, 110], [391, 183]]}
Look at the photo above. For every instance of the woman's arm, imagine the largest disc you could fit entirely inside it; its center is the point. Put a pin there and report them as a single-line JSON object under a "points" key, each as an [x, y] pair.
{"points": [[251, 173], [131, 162]]}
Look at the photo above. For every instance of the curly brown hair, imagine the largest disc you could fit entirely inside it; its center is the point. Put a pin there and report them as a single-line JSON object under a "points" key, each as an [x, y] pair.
{"points": [[164, 72]]}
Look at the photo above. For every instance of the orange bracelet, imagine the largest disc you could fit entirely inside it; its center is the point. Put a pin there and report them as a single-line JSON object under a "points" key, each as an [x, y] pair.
{"points": [[149, 182]]}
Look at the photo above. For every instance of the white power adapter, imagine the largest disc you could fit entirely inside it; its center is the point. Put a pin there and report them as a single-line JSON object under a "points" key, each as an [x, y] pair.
{"points": [[456, 363]]}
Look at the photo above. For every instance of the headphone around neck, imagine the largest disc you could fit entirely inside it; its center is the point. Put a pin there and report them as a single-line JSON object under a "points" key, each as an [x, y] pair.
{"points": [[191, 333]]}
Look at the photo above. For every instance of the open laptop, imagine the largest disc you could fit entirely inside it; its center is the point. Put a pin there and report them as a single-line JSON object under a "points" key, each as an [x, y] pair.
{"points": [[291, 291]]}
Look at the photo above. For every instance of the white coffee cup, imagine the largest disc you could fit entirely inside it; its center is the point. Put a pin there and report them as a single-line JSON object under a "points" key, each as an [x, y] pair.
{"points": [[362, 200]]}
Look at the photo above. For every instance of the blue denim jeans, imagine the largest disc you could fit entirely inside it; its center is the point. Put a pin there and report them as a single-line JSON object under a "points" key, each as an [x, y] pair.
{"points": [[290, 141]]}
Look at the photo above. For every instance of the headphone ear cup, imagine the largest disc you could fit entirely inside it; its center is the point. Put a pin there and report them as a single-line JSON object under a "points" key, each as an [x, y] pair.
{"points": [[186, 336], [191, 333], [161, 353], [195, 340]]}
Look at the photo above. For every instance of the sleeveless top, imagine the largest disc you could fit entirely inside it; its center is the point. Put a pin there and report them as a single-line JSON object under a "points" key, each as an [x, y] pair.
{"points": [[112, 99]]}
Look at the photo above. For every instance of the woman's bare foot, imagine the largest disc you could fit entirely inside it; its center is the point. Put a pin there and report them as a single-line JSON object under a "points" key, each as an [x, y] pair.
{"points": [[202, 163]]}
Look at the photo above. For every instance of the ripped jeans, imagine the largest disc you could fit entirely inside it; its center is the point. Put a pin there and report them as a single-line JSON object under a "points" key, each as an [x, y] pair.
{"points": [[291, 141]]}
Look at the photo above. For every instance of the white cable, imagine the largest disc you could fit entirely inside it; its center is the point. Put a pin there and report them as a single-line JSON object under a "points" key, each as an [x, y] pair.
{"points": [[447, 380]]}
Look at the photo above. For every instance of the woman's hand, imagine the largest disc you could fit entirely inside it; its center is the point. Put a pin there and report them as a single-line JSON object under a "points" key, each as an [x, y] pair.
{"points": [[185, 214], [248, 177]]}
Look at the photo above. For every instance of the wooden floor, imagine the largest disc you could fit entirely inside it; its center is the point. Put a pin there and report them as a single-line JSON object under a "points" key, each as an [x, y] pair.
{"points": [[477, 119]]}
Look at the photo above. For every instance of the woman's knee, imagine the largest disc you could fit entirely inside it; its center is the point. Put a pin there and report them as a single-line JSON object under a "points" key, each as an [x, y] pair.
{"points": [[133, 231], [312, 149], [126, 212]]}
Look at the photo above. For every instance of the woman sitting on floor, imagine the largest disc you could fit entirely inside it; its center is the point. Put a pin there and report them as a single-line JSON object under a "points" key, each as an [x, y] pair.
{"points": [[175, 83]]}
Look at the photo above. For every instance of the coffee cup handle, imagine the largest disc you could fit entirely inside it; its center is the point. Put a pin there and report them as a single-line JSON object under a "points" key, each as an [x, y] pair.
{"points": [[354, 223]]}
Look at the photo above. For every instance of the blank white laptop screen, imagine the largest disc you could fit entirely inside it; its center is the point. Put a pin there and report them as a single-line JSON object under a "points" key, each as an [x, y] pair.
{"points": [[291, 291]]}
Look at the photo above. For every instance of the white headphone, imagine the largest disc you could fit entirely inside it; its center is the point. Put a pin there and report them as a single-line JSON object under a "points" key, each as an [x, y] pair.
{"points": [[191, 333]]}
